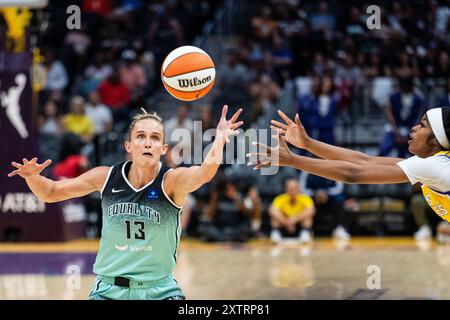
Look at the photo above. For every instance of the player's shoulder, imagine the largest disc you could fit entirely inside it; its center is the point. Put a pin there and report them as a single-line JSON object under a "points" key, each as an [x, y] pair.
{"points": [[170, 174], [441, 157], [96, 176]]}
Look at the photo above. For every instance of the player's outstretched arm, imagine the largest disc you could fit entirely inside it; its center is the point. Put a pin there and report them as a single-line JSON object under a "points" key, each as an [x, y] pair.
{"points": [[186, 180], [48, 190], [295, 134], [344, 171]]}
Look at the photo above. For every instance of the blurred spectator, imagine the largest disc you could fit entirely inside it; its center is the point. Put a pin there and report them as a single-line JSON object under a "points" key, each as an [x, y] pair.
{"points": [[232, 82], [404, 110], [77, 122], [264, 93], [347, 76], [253, 202], [71, 162], [442, 17], [445, 101], [164, 34], [280, 58], [292, 214], [132, 75], [102, 119], [180, 120], [95, 73], [322, 20], [356, 25], [404, 67], [50, 120], [263, 24], [102, 7], [148, 64], [205, 118], [329, 198], [183, 137], [57, 78], [229, 218], [100, 114], [115, 95], [374, 67], [79, 41], [318, 111], [442, 69]]}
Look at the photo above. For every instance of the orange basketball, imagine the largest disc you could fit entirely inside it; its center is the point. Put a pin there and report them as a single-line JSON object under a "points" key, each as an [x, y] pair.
{"points": [[188, 73]]}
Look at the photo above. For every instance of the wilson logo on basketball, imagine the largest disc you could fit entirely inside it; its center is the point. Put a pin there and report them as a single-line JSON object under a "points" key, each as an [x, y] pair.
{"points": [[188, 73], [195, 82]]}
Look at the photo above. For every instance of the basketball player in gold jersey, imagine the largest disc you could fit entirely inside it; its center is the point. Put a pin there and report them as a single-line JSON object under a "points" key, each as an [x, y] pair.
{"points": [[430, 166]]}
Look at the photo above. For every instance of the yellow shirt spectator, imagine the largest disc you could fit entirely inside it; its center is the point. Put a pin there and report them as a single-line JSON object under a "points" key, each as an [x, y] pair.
{"points": [[79, 124], [291, 209]]}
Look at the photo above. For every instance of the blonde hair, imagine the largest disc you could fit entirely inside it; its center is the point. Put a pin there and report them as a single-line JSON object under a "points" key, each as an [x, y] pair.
{"points": [[143, 115]]}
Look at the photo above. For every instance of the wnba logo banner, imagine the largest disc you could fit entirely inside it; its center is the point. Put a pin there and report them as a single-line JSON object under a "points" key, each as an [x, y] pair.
{"points": [[17, 137], [16, 127], [22, 215]]}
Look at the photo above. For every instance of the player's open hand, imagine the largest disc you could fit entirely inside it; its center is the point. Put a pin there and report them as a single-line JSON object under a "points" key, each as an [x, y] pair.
{"points": [[293, 132], [268, 157], [29, 168], [227, 128]]}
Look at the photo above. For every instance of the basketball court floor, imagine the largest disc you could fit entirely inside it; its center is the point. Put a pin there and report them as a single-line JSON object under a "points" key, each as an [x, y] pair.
{"points": [[364, 268]]}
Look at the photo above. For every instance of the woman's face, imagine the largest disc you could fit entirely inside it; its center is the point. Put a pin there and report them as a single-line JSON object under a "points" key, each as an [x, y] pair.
{"points": [[420, 136], [146, 143], [326, 85], [50, 109]]}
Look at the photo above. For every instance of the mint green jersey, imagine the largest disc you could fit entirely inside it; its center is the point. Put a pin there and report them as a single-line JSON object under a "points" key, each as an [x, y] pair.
{"points": [[141, 228]]}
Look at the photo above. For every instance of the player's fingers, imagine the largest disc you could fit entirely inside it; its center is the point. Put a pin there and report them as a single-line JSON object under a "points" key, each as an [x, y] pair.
{"points": [[25, 161], [46, 163], [285, 117], [278, 132], [224, 111], [253, 154], [13, 173], [297, 120], [237, 125], [262, 165], [262, 146], [15, 164], [278, 124], [282, 140], [236, 115], [261, 160], [33, 161]]}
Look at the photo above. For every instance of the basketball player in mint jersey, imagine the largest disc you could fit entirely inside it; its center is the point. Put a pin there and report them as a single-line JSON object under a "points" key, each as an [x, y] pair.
{"points": [[141, 203]]}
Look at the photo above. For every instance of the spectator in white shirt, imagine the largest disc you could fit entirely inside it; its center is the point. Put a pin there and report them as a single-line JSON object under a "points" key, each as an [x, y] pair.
{"points": [[57, 78], [100, 114]]}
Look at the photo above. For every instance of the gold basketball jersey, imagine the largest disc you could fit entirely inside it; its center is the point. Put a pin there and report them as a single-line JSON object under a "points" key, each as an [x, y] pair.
{"points": [[437, 200]]}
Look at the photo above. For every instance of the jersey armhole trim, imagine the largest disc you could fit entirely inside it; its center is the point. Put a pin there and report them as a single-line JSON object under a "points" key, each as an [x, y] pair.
{"points": [[165, 194], [405, 170], [106, 182]]}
